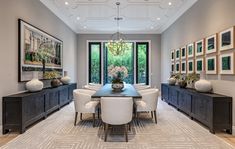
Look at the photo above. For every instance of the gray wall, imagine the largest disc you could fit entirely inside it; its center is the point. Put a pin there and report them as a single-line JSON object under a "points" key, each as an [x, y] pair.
{"points": [[155, 54], [34, 12], [204, 18]]}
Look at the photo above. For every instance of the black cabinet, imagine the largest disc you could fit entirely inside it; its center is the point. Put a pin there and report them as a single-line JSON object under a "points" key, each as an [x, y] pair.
{"points": [[24, 109], [212, 110], [184, 101], [51, 101], [63, 95]]}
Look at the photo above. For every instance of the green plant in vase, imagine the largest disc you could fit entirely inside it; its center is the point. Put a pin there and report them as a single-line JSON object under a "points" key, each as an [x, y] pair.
{"points": [[182, 81], [191, 79], [55, 82], [117, 73]]}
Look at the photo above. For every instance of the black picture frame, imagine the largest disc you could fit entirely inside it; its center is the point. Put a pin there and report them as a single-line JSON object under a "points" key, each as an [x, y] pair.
{"points": [[54, 62]]}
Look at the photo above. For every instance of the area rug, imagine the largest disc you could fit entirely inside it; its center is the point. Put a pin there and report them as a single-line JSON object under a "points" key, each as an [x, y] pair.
{"points": [[174, 130]]}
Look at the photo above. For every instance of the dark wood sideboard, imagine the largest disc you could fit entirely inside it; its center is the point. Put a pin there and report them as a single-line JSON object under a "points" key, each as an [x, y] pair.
{"points": [[24, 109], [212, 110]]}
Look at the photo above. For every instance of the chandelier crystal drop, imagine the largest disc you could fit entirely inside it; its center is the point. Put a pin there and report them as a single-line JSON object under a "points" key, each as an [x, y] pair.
{"points": [[117, 44]]}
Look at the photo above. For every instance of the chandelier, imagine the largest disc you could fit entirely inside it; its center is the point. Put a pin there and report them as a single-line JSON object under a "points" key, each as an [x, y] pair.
{"points": [[117, 44]]}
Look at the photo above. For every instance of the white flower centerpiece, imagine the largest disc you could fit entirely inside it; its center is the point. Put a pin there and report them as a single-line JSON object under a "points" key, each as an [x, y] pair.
{"points": [[117, 73]]}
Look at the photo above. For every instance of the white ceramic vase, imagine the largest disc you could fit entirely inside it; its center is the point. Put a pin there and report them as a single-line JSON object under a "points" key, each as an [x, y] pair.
{"points": [[34, 85], [203, 85], [172, 81], [66, 79], [117, 87]]}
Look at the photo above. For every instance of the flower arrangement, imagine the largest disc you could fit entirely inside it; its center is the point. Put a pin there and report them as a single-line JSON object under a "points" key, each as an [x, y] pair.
{"points": [[51, 74], [117, 73]]}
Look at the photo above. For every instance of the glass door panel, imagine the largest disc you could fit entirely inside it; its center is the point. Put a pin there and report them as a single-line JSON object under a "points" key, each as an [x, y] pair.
{"points": [[142, 66], [95, 62], [127, 60]]}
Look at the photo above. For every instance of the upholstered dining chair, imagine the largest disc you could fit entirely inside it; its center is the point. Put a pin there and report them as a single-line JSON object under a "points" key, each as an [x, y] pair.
{"points": [[95, 84], [92, 87], [116, 111], [84, 104], [148, 103], [141, 86]]}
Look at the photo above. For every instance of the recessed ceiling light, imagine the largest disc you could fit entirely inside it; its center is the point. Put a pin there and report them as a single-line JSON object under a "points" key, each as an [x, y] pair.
{"points": [[151, 27], [78, 18], [170, 3], [66, 3], [158, 19], [84, 27]]}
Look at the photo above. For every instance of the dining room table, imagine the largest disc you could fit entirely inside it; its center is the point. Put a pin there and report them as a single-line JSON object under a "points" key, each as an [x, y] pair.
{"points": [[107, 91]]}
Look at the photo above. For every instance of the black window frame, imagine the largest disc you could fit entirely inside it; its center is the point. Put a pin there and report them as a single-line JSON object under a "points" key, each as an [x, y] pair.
{"points": [[147, 61], [89, 59]]}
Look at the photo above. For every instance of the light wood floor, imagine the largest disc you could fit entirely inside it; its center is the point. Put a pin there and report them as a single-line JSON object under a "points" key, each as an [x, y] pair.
{"points": [[6, 138], [227, 137]]}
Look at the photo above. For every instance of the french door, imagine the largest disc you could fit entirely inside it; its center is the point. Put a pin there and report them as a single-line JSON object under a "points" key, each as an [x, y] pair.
{"points": [[142, 62], [135, 59], [127, 60]]}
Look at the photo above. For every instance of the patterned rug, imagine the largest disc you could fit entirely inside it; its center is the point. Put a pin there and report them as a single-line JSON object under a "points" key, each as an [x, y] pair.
{"points": [[174, 130]]}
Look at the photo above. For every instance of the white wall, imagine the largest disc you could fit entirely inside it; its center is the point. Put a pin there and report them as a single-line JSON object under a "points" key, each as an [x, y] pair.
{"points": [[34, 12], [204, 18], [155, 54]]}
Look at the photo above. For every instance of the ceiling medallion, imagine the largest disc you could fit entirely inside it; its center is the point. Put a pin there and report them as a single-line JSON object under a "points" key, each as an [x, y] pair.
{"points": [[117, 44]]}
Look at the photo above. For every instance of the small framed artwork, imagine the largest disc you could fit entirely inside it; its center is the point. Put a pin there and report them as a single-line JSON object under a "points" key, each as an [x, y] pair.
{"points": [[177, 54], [172, 55], [199, 47], [227, 63], [190, 66], [177, 67], [173, 67], [226, 39], [183, 67], [211, 44], [183, 52], [211, 65], [190, 50], [199, 65]]}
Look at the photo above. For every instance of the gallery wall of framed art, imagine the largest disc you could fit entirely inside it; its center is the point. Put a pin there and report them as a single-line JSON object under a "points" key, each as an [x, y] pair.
{"points": [[38, 52], [213, 54]]}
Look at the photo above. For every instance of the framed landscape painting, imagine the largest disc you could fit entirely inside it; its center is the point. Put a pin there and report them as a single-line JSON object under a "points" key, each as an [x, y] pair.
{"points": [[227, 63], [177, 54], [172, 55], [211, 44], [199, 65], [38, 51], [211, 65], [199, 47], [226, 39], [190, 66], [183, 52], [183, 67], [190, 50]]}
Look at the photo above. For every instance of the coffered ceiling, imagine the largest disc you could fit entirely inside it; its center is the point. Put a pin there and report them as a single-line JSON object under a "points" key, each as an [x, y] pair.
{"points": [[139, 16]]}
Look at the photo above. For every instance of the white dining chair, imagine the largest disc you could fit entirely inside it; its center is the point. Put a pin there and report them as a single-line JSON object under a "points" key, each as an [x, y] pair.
{"points": [[84, 104], [141, 86], [92, 87], [95, 84], [148, 103], [116, 111]]}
